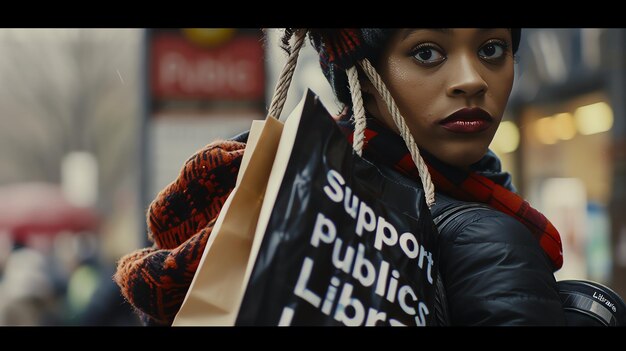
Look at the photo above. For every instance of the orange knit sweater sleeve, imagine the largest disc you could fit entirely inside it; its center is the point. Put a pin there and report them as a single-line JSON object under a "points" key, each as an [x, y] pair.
{"points": [[180, 220]]}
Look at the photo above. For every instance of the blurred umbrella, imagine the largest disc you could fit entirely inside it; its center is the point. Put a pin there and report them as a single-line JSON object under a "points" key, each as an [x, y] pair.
{"points": [[41, 208]]}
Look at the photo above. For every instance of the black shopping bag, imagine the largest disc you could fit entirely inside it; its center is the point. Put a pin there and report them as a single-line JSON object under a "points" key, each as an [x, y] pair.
{"points": [[340, 240]]}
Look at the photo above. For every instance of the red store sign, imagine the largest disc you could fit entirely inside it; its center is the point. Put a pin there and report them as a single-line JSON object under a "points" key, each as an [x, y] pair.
{"points": [[181, 69]]}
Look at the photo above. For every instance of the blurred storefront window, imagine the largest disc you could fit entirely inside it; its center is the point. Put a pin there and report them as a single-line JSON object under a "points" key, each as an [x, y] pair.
{"points": [[561, 131]]}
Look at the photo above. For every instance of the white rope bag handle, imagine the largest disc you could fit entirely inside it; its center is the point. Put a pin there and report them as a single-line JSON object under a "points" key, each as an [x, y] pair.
{"points": [[359, 128], [280, 96], [284, 81]]}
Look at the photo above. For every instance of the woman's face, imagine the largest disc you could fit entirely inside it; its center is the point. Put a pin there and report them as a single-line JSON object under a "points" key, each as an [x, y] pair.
{"points": [[451, 86]]}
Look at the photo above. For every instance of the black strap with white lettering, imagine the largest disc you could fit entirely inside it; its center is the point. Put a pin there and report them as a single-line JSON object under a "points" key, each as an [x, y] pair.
{"points": [[575, 301]]}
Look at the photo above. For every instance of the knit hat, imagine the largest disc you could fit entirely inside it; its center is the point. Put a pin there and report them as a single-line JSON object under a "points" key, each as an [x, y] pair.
{"points": [[341, 48]]}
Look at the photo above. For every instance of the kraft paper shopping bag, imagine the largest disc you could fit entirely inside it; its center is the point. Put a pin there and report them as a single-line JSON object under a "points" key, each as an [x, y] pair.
{"points": [[217, 287]]}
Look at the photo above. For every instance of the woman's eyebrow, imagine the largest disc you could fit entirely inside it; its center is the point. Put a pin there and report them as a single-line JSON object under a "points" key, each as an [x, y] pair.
{"points": [[408, 31]]}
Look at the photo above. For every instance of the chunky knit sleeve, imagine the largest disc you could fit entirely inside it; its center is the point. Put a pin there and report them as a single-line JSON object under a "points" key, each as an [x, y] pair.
{"points": [[155, 280]]}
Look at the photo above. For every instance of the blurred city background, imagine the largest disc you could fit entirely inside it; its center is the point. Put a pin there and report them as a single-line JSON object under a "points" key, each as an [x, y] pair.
{"points": [[94, 122]]}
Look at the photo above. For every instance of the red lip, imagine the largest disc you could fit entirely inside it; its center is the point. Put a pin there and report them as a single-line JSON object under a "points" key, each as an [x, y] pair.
{"points": [[467, 120]]}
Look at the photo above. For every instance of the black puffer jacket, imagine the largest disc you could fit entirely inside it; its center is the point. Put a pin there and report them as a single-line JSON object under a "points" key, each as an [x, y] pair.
{"points": [[493, 269]]}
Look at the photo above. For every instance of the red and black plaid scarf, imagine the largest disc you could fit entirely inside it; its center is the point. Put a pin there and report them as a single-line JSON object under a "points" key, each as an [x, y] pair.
{"points": [[384, 146]]}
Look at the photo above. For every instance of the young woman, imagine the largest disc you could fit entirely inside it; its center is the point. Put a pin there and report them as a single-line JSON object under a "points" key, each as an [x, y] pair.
{"points": [[451, 86]]}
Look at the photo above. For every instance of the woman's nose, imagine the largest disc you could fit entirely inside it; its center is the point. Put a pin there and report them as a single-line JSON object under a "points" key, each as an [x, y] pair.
{"points": [[466, 79]]}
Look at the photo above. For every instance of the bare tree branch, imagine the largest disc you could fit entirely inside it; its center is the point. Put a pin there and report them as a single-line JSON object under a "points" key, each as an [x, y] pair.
{"points": [[65, 90]]}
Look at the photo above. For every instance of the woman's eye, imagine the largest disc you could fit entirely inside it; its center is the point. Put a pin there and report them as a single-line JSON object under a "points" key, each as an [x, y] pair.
{"points": [[428, 55], [492, 51]]}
